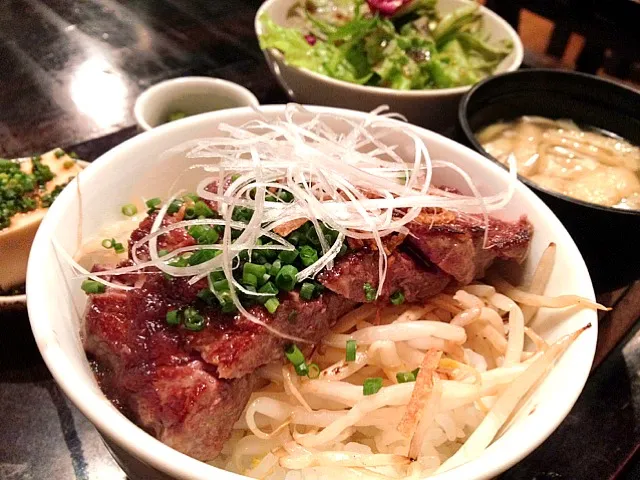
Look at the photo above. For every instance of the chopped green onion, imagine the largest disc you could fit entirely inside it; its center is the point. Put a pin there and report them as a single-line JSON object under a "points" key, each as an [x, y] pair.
{"points": [[369, 292], [302, 370], [294, 355], [397, 298], [201, 209], [405, 377], [286, 277], [174, 206], [306, 291], [153, 203], [201, 256], [249, 279], [68, 164], [206, 296], [221, 285], [73, 155], [371, 386], [308, 255], [275, 267], [416, 372], [272, 305], [292, 317], [352, 346], [288, 257], [107, 243], [294, 237], [91, 286], [193, 320], [217, 275], [129, 209], [286, 196], [265, 278], [235, 176], [254, 269], [163, 252], [118, 247], [314, 371], [226, 302], [189, 213], [191, 196], [59, 153], [179, 262], [173, 317], [269, 287]]}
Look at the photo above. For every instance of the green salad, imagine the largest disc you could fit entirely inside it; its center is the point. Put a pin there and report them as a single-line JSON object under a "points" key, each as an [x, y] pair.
{"points": [[400, 44]]}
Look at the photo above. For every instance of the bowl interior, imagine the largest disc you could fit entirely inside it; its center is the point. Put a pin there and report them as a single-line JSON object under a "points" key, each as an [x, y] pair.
{"points": [[191, 96], [140, 168]]}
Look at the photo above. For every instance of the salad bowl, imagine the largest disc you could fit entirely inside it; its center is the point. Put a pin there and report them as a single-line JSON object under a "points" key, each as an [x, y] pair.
{"points": [[434, 109]]}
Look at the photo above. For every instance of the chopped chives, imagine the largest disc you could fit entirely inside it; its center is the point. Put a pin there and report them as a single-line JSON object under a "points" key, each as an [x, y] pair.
{"points": [[307, 290], [288, 256], [118, 247], [405, 377], [272, 305], [174, 206], [221, 285], [191, 196], [302, 370], [92, 286], [369, 292], [352, 346], [249, 279], [308, 255], [314, 371], [107, 243], [397, 298], [201, 256], [193, 320], [294, 355], [202, 209], [173, 317], [269, 287], [153, 203], [254, 269], [275, 267], [286, 277], [129, 210], [371, 386]]}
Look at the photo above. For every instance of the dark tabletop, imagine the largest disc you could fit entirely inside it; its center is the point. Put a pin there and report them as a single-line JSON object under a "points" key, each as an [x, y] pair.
{"points": [[69, 74]]}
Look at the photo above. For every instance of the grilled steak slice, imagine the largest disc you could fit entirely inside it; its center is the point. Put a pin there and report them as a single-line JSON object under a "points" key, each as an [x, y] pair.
{"points": [[189, 388], [239, 347], [415, 280], [144, 369], [455, 244]]}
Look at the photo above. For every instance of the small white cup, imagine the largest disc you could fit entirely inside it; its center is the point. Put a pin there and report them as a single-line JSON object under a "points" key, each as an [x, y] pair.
{"points": [[190, 95]]}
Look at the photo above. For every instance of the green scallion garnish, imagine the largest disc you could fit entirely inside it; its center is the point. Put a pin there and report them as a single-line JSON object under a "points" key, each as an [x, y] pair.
{"points": [[249, 279], [288, 257], [129, 209], [107, 243], [369, 292], [193, 320], [92, 286], [371, 386], [286, 278], [308, 255], [302, 370], [174, 206], [307, 290], [59, 153], [272, 305], [397, 298], [294, 355], [201, 209], [173, 317], [352, 347], [314, 371], [153, 203], [405, 377]]}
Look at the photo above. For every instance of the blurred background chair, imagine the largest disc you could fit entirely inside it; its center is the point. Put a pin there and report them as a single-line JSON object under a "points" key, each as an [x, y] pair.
{"points": [[601, 36]]}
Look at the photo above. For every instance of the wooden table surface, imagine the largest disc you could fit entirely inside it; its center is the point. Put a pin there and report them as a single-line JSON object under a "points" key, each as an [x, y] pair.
{"points": [[69, 74]]}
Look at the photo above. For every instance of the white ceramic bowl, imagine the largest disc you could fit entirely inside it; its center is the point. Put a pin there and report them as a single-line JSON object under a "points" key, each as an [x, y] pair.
{"points": [[191, 95], [434, 109], [134, 169]]}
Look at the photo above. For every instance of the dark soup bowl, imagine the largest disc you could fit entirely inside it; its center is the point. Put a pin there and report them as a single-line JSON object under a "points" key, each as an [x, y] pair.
{"points": [[607, 237]]}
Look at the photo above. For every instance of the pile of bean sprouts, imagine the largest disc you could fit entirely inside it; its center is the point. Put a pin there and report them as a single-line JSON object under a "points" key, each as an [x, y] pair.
{"points": [[474, 378], [348, 179]]}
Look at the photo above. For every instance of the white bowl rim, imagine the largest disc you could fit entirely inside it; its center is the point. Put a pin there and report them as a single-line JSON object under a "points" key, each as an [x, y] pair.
{"points": [[99, 410], [139, 108], [518, 50]]}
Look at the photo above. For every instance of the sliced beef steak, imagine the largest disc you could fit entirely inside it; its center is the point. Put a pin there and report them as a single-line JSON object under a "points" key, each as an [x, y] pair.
{"points": [[188, 388], [455, 244], [404, 273], [239, 347]]}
